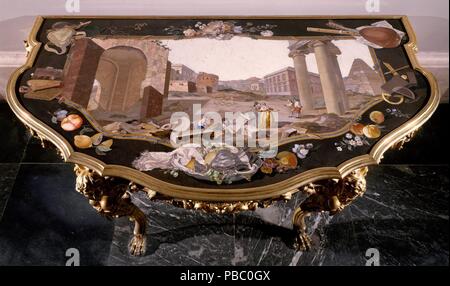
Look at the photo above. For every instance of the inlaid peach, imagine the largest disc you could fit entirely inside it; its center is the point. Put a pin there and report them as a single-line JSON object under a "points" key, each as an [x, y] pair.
{"points": [[377, 117], [72, 122], [357, 128]]}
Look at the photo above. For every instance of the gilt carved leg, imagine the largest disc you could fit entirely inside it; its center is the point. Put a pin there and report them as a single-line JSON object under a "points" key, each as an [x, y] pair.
{"points": [[327, 195], [401, 143], [111, 198]]}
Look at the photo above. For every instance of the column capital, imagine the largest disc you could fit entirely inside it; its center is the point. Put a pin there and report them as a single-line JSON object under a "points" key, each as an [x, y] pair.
{"points": [[317, 43], [299, 52], [299, 45], [332, 48]]}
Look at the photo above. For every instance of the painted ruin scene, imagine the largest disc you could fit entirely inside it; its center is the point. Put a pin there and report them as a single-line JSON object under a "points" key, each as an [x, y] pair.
{"points": [[134, 85]]}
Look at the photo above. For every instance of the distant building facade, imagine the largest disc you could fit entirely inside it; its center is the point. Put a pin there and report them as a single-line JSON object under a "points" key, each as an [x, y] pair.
{"points": [[207, 82], [257, 87], [182, 72], [182, 86], [182, 78], [284, 82], [281, 82]]}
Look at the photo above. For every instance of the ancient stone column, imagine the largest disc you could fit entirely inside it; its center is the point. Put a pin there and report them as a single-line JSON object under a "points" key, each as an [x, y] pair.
{"points": [[340, 81], [302, 77], [327, 73]]}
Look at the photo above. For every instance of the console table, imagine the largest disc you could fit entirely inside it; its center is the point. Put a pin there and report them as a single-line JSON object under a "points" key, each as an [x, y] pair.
{"points": [[334, 93]]}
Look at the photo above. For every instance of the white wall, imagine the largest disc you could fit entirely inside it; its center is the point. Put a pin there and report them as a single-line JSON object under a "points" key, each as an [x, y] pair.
{"points": [[436, 8]]}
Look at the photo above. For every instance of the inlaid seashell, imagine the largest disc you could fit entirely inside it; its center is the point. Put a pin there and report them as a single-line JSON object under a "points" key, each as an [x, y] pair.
{"points": [[60, 38], [60, 114], [97, 138], [377, 117], [372, 131], [357, 128], [107, 143], [82, 141], [381, 36], [71, 122]]}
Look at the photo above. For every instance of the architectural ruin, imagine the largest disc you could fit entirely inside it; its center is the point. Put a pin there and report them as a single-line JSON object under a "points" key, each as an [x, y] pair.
{"points": [[362, 79], [182, 79], [333, 88], [124, 70], [207, 82]]}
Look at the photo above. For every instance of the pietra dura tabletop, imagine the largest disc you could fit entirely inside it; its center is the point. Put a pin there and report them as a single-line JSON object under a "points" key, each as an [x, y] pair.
{"points": [[159, 105]]}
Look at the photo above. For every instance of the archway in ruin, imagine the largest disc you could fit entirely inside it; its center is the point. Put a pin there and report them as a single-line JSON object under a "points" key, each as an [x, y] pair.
{"points": [[94, 96], [120, 73]]}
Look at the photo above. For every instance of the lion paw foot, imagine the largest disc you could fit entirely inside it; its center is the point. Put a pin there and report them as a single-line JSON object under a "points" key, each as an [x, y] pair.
{"points": [[302, 241], [137, 245]]}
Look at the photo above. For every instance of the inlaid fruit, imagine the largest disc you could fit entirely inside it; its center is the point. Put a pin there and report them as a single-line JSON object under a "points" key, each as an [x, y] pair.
{"points": [[71, 122], [266, 169], [372, 131], [377, 117], [82, 141], [287, 159], [357, 128]]}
